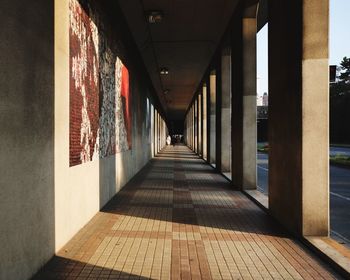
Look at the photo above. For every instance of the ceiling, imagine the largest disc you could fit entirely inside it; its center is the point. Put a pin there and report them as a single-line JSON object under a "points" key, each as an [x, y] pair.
{"points": [[184, 42]]}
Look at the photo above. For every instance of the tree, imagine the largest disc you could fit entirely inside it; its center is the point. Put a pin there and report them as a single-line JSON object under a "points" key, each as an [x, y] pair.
{"points": [[342, 85], [340, 105]]}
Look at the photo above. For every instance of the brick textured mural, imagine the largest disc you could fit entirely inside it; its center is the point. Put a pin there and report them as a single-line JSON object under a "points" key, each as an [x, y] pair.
{"points": [[100, 100], [84, 86]]}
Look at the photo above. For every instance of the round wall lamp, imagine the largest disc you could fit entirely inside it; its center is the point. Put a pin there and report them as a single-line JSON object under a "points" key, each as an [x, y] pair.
{"points": [[164, 71], [154, 17]]}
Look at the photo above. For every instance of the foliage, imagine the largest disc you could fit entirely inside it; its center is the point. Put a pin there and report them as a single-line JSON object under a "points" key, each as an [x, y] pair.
{"points": [[263, 148], [342, 85], [340, 160], [340, 105]]}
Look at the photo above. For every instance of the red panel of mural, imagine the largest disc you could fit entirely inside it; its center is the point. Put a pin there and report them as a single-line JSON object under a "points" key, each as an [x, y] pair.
{"points": [[84, 86], [123, 108], [125, 93]]}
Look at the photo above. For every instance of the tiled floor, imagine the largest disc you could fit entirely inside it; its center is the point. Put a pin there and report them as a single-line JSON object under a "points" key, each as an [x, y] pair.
{"points": [[178, 219]]}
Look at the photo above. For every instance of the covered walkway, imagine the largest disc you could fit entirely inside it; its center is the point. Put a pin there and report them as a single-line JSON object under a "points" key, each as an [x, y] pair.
{"points": [[179, 219]]}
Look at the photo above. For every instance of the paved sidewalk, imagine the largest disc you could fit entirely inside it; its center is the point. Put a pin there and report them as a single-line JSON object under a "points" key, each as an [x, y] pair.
{"points": [[178, 219]]}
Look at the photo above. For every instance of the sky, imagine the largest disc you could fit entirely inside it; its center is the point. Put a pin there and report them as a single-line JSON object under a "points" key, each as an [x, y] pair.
{"points": [[339, 41]]}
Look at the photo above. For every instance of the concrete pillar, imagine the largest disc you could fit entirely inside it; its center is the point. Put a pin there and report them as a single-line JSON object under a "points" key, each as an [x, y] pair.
{"points": [[161, 134], [191, 127], [204, 122], [155, 132], [186, 129], [226, 109], [195, 108], [218, 123], [212, 118], [237, 101], [298, 115], [152, 130], [208, 119], [249, 29], [158, 133], [200, 131], [194, 128]]}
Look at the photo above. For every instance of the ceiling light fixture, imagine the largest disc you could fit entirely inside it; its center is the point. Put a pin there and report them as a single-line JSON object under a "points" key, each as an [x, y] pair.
{"points": [[164, 71], [154, 17]]}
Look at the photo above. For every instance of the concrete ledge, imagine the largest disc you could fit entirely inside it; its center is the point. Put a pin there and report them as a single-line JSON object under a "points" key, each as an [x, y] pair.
{"points": [[337, 255], [331, 251], [227, 175], [258, 197]]}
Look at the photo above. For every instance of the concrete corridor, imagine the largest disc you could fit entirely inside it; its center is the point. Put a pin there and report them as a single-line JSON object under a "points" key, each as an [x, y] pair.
{"points": [[178, 219]]}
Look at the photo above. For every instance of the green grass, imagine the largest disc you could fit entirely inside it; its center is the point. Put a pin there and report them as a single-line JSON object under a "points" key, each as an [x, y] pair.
{"points": [[263, 148], [340, 160]]}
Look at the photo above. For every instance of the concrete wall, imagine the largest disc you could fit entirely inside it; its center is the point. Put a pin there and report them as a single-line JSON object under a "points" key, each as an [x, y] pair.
{"points": [[43, 201], [26, 142], [85, 188]]}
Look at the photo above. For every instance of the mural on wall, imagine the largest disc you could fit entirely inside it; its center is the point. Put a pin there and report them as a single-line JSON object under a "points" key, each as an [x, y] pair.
{"points": [[123, 106], [148, 120], [84, 86], [107, 131], [100, 100]]}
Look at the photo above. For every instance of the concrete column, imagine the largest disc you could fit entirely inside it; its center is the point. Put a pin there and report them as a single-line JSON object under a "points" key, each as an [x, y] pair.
{"points": [[200, 131], [218, 115], [155, 132], [212, 118], [193, 129], [237, 101], [186, 129], [189, 128], [226, 109], [208, 119], [298, 115], [152, 130], [195, 108], [161, 134], [249, 29], [204, 122], [158, 133]]}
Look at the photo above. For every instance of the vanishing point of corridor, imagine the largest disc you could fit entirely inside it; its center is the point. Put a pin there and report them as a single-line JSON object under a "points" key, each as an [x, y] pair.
{"points": [[179, 219]]}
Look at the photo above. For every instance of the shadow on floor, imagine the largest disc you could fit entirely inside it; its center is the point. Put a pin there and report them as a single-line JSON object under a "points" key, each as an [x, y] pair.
{"points": [[63, 268]]}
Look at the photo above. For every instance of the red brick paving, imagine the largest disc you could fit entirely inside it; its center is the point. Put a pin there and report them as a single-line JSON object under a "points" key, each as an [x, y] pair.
{"points": [[178, 219]]}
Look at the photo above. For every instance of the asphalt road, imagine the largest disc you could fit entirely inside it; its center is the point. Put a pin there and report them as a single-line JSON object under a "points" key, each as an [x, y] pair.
{"points": [[339, 151], [339, 194]]}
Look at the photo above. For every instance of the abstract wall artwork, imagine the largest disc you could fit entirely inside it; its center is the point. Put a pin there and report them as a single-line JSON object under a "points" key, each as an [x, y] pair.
{"points": [[100, 101], [123, 112]]}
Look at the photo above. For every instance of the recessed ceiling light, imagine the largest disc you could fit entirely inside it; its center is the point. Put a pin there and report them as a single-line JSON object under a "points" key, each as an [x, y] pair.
{"points": [[154, 17], [164, 71]]}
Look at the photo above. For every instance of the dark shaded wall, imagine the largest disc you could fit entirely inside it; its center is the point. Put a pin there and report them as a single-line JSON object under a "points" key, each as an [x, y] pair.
{"points": [[340, 119], [26, 141], [262, 127]]}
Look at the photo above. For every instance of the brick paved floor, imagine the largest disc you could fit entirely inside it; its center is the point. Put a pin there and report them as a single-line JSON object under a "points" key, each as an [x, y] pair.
{"points": [[178, 219]]}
